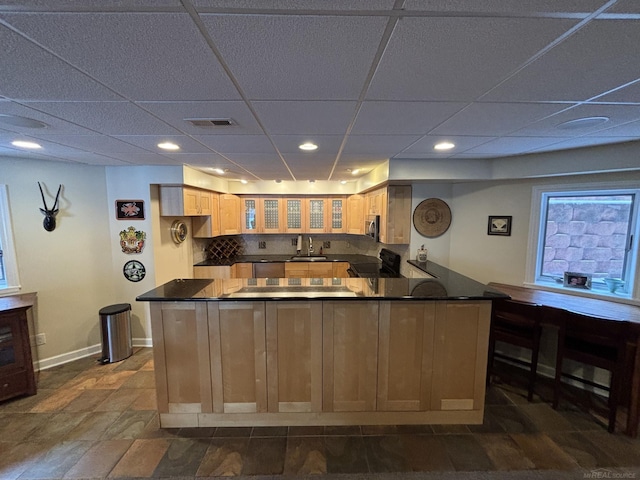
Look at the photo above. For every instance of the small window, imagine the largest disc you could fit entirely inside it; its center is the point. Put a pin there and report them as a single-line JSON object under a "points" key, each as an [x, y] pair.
{"points": [[588, 234], [9, 282]]}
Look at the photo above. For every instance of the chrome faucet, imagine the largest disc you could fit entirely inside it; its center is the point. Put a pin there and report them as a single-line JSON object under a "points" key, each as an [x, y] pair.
{"points": [[310, 251]]}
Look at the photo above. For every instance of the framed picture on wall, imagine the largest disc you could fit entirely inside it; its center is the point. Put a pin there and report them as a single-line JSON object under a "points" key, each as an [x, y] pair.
{"points": [[130, 209], [499, 225]]}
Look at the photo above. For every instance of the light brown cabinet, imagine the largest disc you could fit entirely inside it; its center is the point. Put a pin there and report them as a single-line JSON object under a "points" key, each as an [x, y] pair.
{"points": [[214, 271], [238, 357], [339, 269], [208, 226], [361, 362], [181, 201], [350, 356], [355, 215], [242, 270], [263, 215], [405, 361], [230, 214], [393, 205], [294, 356]]}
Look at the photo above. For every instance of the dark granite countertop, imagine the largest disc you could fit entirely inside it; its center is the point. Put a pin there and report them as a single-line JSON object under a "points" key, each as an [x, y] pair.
{"points": [[351, 258], [447, 285]]}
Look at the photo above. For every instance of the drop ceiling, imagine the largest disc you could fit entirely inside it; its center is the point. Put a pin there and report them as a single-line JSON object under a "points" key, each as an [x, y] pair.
{"points": [[368, 81]]}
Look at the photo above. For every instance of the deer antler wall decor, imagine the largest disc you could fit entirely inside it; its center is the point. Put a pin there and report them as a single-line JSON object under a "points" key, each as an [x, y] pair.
{"points": [[49, 221]]}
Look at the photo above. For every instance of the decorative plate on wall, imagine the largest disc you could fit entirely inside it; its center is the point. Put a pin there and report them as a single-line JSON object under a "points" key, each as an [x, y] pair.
{"points": [[432, 217], [134, 271], [179, 231]]}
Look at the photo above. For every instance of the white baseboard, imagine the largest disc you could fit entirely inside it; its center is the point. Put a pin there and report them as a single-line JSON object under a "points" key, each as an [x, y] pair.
{"points": [[51, 362]]}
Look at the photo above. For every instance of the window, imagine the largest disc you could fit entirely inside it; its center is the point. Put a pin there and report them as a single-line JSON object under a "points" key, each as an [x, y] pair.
{"points": [[591, 233], [9, 282]]}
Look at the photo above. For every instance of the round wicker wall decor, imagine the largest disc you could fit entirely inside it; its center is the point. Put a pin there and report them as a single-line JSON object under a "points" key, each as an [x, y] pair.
{"points": [[432, 217]]}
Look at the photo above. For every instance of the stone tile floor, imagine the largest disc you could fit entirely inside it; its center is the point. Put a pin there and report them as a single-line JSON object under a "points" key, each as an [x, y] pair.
{"points": [[99, 421]]}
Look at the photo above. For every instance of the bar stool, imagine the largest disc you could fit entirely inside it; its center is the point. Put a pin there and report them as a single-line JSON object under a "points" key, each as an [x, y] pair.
{"points": [[516, 323], [592, 341]]}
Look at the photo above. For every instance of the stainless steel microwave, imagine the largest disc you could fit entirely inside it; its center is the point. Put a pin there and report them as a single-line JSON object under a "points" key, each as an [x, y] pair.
{"points": [[372, 227]]}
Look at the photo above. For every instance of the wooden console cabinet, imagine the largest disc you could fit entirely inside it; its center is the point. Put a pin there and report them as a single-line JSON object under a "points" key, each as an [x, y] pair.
{"points": [[16, 365]]}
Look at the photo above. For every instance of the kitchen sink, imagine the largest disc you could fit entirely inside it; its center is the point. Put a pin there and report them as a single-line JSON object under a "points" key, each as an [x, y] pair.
{"points": [[308, 258]]}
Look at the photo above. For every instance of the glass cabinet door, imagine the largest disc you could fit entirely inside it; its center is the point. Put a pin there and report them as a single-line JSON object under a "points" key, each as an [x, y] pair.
{"points": [[250, 216], [271, 215], [7, 348], [294, 215], [316, 219]]}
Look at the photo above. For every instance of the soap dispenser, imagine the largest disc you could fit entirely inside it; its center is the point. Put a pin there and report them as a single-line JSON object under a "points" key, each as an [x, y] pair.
{"points": [[422, 254]]}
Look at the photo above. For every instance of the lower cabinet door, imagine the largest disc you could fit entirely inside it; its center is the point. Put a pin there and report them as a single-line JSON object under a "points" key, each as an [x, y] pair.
{"points": [[294, 356], [238, 357], [460, 355], [350, 356], [405, 350]]}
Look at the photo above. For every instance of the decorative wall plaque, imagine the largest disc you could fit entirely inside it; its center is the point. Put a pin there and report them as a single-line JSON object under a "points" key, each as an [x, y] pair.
{"points": [[432, 217]]}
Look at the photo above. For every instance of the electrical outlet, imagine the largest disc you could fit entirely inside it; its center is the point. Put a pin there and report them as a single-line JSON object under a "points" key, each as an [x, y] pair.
{"points": [[326, 244], [348, 245], [294, 242], [262, 244], [41, 339]]}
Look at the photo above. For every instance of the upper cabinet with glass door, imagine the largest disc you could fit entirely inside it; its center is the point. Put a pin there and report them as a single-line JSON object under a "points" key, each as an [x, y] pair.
{"points": [[262, 215]]}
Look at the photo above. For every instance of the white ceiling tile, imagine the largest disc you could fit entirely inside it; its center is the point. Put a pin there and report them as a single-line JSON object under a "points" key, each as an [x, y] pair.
{"points": [[402, 117], [298, 4], [54, 125], [150, 143], [302, 57], [551, 126], [630, 94], [597, 58], [101, 144], [25, 80], [631, 129], [625, 6], [512, 145], [237, 143], [457, 59], [520, 7], [327, 144], [425, 144], [147, 55], [322, 118], [589, 141], [378, 144], [494, 119], [111, 118], [176, 113], [99, 5]]}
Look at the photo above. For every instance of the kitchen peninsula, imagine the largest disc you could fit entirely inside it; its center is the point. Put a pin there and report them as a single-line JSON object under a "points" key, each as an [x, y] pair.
{"points": [[320, 351]]}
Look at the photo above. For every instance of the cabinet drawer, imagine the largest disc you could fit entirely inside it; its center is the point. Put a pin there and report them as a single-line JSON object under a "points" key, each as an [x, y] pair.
{"points": [[13, 384]]}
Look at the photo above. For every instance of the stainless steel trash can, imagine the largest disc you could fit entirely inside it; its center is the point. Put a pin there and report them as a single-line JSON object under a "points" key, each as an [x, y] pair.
{"points": [[115, 329]]}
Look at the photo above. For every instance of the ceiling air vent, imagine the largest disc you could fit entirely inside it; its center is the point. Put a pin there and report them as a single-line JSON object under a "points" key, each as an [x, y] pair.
{"points": [[211, 122]]}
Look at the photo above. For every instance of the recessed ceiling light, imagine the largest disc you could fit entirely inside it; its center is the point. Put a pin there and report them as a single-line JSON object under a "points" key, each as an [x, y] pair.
{"points": [[444, 146], [244, 182], [18, 121], [278, 181], [355, 171], [343, 182], [168, 146], [219, 171], [24, 144], [308, 146], [312, 181], [585, 122]]}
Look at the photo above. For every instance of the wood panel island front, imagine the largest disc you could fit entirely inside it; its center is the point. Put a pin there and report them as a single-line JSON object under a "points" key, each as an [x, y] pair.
{"points": [[327, 351]]}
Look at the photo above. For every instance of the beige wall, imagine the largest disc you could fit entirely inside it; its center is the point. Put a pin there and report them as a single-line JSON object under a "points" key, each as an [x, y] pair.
{"points": [[466, 247], [69, 268]]}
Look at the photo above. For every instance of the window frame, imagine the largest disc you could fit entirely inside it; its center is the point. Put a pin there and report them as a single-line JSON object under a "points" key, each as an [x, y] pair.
{"points": [[537, 234], [9, 256]]}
